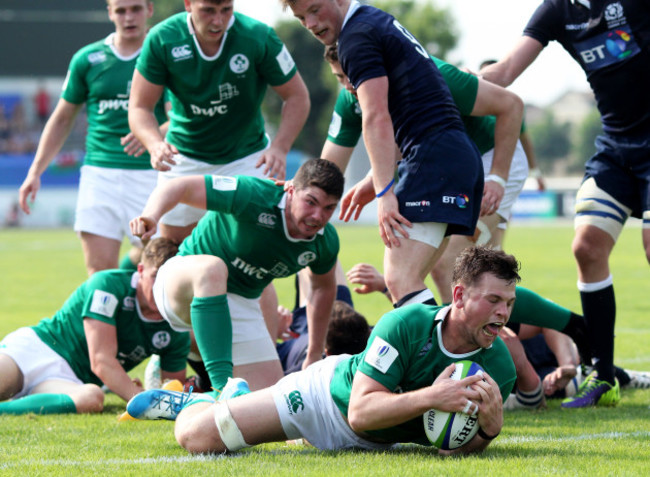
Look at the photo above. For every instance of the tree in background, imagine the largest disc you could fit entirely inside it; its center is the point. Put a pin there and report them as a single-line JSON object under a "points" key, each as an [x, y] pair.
{"points": [[585, 136], [551, 139]]}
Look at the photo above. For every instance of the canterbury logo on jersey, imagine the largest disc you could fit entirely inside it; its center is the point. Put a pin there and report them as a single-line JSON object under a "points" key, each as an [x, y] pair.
{"points": [[113, 105], [182, 52], [96, 57], [266, 219]]}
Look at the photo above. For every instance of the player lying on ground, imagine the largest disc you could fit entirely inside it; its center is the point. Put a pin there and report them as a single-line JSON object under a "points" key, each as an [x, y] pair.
{"points": [[377, 398], [108, 326]]}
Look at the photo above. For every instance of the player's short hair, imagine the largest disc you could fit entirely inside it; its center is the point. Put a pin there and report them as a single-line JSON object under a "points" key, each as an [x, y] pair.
{"points": [[158, 251], [348, 330], [473, 262], [320, 173], [331, 53]]}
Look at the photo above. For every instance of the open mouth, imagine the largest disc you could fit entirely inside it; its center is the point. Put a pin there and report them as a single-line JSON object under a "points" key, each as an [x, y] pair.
{"points": [[492, 329]]}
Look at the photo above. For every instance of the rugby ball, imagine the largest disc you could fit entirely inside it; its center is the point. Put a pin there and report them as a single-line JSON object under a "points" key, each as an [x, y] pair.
{"points": [[452, 430]]}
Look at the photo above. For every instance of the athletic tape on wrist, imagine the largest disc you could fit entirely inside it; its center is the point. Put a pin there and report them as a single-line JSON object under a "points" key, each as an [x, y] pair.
{"points": [[229, 432], [495, 178]]}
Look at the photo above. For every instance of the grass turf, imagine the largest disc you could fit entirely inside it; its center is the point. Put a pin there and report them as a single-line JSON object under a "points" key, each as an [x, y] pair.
{"points": [[39, 269]]}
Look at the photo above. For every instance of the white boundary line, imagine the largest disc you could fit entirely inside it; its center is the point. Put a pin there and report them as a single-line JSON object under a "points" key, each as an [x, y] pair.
{"points": [[207, 458]]}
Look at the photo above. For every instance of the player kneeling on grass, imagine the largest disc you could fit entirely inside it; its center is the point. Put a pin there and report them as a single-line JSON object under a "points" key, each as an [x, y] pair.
{"points": [[253, 233], [108, 326], [377, 398]]}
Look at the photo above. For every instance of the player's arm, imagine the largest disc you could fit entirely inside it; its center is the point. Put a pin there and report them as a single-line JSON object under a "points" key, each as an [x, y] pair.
{"points": [[373, 406], [143, 123], [339, 155], [102, 351], [508, 109], [379, 138], [295, 109], [508, 69], [188, 190], [56, 131], [133, 146], [320, 301], [369, 279]]}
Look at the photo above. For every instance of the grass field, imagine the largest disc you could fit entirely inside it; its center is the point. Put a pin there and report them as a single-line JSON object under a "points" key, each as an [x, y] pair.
{"points": [[39, 269]]}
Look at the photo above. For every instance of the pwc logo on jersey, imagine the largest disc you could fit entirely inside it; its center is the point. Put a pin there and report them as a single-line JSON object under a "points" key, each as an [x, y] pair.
{"points": [[266, 220], [460, 200], [248, 269], [96, 57], [113, 105], [182, 52], [227, 91], [161, 339], [239, 63], [380, 355]]}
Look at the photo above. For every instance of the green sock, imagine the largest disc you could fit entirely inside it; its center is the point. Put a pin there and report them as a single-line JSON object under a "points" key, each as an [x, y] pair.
{"points": [[533, 309], [127, 264], [213, 333], [40, 404]]}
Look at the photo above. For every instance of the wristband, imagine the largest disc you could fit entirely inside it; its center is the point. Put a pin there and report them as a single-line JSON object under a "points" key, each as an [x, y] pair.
{"points": [[535, 173], [390, 184], [481, 433], [496, 178]]}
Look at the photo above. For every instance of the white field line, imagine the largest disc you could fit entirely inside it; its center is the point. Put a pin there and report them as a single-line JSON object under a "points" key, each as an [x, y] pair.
{"points": [[188, 459]]}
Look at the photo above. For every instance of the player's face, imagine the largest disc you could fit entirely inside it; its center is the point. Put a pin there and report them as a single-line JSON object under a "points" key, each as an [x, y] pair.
{"points": [[308, 211], [486, 309], [342, 78], [145, 284], [210, 20], [130, 17], [323, 18]]}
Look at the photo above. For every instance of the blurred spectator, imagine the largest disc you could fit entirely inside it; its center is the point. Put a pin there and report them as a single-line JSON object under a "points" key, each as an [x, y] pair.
{"points": [[42, 105]]}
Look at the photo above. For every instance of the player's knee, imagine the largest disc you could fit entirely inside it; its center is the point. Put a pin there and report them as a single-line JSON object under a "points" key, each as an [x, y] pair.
{"points": [[90, 399], [195, 439], [587, 251], [210, 275]]}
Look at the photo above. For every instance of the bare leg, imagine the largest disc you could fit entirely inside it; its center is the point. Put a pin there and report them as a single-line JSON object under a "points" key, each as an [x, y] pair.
{"points": [[100, 253]]}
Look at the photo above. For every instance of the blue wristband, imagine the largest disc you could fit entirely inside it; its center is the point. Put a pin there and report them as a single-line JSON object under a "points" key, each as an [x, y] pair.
{"points": [[390, 184]]}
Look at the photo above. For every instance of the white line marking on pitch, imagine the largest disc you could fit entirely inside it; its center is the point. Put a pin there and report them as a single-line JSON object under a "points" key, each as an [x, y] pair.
{"points": [[207, 458]]}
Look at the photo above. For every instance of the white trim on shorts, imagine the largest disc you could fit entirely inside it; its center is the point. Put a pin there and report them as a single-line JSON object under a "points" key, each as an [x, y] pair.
{"points": [[517, 176], [36, 360], [109, 198], [431, 233], [590, 197], [307, 410], [183, 215], [251, 342]]}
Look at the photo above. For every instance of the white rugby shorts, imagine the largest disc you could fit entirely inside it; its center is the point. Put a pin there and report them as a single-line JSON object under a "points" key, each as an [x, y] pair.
{"points": [[183, 215], [516, 178], [307, 410], [36, 360], [251, 342], [109, 198]]}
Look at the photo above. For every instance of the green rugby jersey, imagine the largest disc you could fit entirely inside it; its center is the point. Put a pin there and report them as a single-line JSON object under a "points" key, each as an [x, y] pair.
{"points": [[412, 358], [100, 77], [109, 296], [245, 227], [216, 115], [345, 127]]}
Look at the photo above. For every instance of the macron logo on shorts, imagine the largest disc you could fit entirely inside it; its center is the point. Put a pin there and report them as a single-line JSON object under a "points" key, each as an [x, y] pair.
{"points": [[381, 355], [104, 303]]}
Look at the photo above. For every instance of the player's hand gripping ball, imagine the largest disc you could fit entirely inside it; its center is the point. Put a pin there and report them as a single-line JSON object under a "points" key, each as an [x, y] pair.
{"points": [[453, 430]]}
